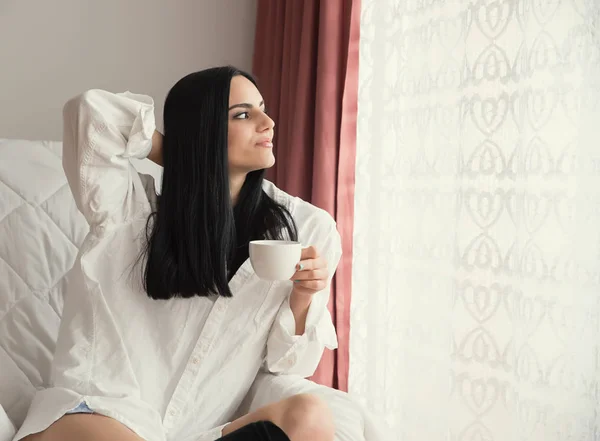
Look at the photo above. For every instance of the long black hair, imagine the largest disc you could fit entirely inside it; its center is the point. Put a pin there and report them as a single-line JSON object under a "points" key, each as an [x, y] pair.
{"points": [[197, 239]]}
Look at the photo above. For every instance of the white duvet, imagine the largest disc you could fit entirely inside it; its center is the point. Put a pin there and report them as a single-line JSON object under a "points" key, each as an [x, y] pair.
{"points": [[40, 230]]}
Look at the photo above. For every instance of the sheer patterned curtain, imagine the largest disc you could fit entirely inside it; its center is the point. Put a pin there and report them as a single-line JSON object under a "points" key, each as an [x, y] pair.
{"points": [[476, 276]]}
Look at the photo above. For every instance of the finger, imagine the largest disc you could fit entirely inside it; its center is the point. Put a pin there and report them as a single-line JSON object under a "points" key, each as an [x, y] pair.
{"points": [[312, 285], [311, 264], [309, 253], [318, 274]]}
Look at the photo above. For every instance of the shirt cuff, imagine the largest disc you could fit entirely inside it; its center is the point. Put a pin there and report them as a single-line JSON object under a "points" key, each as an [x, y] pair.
{"points": [[300, 354], [318, 326], [139, 142]]}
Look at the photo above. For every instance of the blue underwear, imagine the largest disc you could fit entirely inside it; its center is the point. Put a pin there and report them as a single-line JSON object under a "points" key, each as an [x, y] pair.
{"points": [[81, 408]]}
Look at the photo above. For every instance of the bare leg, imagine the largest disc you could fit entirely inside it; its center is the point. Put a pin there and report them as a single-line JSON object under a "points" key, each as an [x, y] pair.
{"points": [[88, 427], [301, 417]]}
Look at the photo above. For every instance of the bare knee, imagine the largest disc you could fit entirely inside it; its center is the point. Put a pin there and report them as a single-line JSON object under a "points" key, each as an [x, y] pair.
{"points": [[307, 417]]}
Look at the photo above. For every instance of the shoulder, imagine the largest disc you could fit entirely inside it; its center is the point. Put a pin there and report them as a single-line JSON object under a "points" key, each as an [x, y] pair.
{"points": [[305, 214], [315, 225]]}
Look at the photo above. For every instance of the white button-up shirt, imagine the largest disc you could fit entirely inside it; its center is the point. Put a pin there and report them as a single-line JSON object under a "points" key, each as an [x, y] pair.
{"points": [[168, 369]]}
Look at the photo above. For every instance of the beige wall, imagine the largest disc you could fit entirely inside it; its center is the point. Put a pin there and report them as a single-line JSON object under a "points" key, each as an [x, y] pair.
{"points": [[53, 49]]}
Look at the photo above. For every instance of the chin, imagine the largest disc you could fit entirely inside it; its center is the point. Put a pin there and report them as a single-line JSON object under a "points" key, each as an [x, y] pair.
{"points": [[271, 163], [267, 163]]}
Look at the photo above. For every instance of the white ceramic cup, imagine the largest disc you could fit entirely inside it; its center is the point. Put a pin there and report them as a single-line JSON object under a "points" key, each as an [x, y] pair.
{"points": [[275, 259]]}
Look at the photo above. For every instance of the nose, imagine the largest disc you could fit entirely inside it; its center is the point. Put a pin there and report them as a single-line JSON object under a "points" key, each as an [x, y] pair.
{"points": [[267, 123]]}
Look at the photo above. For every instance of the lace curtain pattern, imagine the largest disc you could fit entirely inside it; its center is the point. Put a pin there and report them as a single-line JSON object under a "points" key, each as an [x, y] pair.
{"points": [[476, 278]]}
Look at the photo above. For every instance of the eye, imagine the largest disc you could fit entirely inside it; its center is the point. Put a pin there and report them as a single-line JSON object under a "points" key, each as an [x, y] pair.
{"points": [[243, 115]]}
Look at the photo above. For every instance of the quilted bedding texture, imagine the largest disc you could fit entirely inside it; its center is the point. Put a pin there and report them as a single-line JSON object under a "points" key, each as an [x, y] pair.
{"points": [[40, 229]]}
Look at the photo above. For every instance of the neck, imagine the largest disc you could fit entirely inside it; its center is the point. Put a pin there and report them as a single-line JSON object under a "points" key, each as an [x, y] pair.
{"points": [[235, 185]]}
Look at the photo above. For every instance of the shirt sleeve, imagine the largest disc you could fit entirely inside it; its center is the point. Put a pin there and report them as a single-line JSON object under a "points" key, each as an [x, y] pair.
{"points": [[101, 131], [288, 353]]}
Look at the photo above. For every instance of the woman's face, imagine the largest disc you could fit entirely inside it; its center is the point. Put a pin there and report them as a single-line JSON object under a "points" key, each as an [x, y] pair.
{"points": [[250, 130]]}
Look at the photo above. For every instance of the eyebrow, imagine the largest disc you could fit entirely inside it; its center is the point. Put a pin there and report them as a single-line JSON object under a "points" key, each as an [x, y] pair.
{"points": [[246, 105]]}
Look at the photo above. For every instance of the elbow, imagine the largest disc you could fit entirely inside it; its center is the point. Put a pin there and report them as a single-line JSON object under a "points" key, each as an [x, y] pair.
{"points": [[302, 360], [303, 369], [81, 102]]}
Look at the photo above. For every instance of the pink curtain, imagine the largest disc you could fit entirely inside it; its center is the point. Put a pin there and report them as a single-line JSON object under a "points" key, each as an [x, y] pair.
{"points": [[306, 63]]}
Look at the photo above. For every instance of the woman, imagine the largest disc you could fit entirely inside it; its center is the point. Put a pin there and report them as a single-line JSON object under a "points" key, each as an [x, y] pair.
{"points": [[165, 325]]}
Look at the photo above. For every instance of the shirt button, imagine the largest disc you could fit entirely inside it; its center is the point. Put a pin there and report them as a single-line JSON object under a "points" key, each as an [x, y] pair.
{"points": [[195, 360], [172, 412]]}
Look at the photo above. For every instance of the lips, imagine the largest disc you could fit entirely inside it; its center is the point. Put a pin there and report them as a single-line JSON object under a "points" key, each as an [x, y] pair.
{"points": [[266, 143]]}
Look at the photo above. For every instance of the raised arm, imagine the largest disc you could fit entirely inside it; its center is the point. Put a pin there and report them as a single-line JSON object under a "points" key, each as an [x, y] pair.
{"points": [[101, 132]]}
